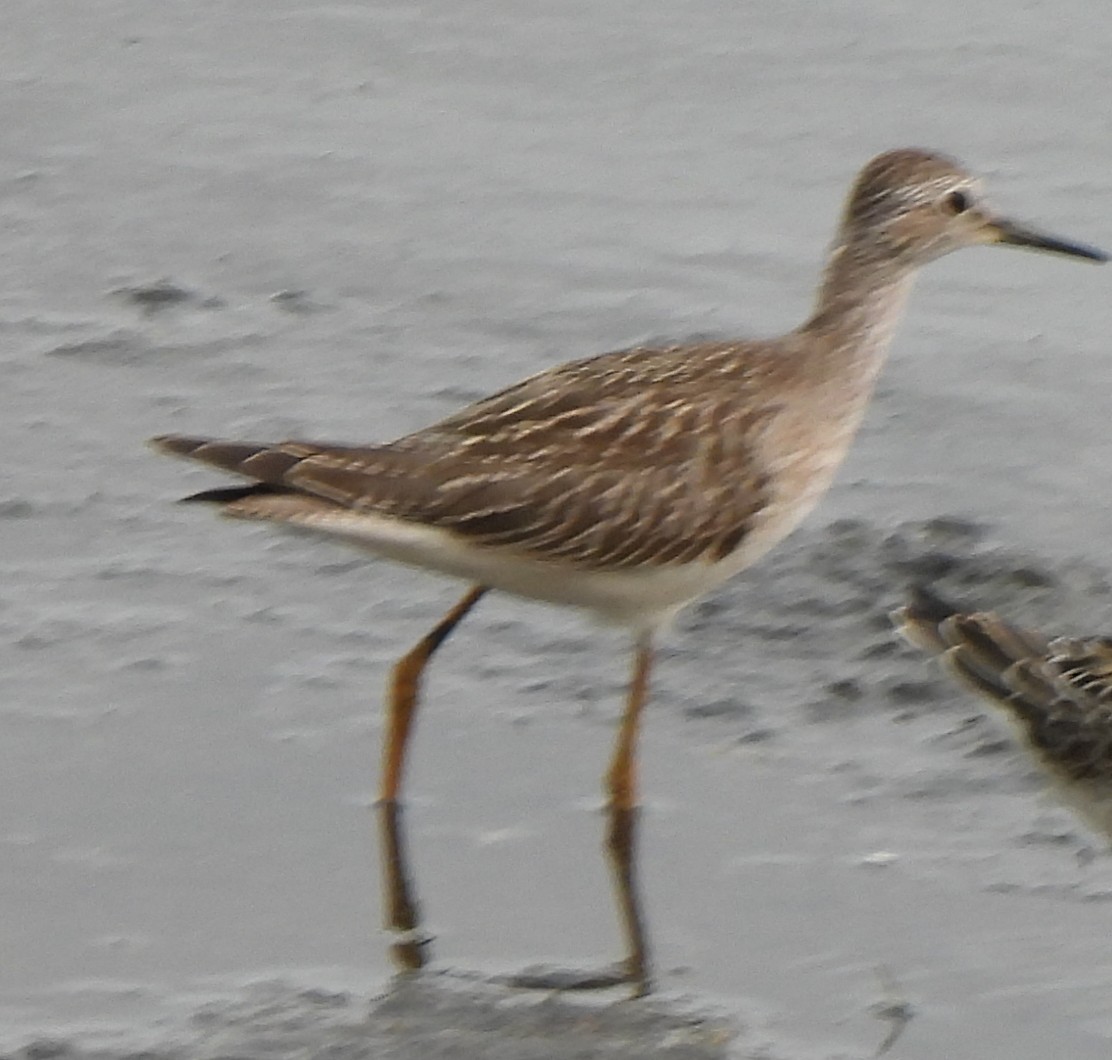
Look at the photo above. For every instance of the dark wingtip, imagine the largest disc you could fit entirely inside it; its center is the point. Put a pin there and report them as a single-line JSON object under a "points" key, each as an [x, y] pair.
{"points": [[231, 494], [176, 444], [925, 605], [920, 621]]}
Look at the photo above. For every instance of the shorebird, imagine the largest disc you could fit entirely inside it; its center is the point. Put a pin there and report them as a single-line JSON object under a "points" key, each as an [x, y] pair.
{"points": [[1056, 692], [629, 484]]}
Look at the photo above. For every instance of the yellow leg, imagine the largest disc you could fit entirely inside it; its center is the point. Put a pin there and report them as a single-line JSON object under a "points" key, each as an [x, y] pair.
{"points": [[411, 951], [621, 779], [405, 687], [621, 838]]}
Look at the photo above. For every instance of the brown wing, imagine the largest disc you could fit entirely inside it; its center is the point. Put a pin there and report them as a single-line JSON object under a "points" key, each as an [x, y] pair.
{"points": [[990, 645], [1060, 689], [600, 465]]}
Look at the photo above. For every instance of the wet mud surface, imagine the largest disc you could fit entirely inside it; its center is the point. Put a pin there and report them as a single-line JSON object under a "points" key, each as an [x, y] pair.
{"points": [[291, 219]]}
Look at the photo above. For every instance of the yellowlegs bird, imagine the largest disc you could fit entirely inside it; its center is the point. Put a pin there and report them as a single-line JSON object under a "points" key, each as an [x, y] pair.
{"points": [[631, 483], [1056, 692]]}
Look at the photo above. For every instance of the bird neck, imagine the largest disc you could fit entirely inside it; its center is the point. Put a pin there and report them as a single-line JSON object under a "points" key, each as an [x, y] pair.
{"points": [[860, 301]]}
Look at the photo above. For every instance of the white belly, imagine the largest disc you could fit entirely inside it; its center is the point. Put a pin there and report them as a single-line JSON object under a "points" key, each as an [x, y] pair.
{"points": [[643, 598]]}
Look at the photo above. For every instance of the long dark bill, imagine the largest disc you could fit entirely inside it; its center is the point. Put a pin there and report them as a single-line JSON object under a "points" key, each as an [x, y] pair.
{"points": [[1018, 235]]}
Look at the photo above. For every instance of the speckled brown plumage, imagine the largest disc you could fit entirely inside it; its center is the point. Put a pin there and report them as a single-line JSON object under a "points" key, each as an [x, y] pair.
{"points": [[631, 483], [1058, 691], [610, 463], [699, 456]]}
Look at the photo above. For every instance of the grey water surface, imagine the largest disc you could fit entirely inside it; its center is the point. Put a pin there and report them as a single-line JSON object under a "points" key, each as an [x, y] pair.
{"points": [[345, 220]]}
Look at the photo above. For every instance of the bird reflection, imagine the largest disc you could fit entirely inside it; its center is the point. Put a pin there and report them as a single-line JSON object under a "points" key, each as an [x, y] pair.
{"points": [[411, 949]]}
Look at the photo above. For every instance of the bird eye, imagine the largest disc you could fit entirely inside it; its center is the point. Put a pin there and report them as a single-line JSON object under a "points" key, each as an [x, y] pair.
{"points": [[955, 202]]}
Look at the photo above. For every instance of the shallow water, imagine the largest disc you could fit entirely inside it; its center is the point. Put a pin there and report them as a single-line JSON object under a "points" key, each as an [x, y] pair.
{"points": [[342, 221]]}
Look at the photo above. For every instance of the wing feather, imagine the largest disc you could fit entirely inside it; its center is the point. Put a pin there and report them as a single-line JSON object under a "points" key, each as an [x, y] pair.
{"points": [[605, 463]]}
